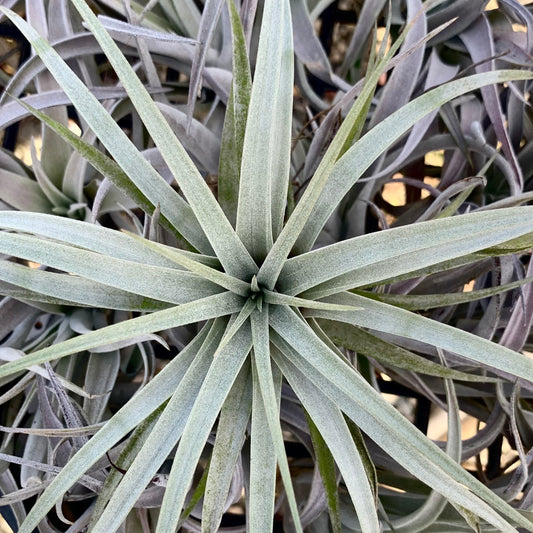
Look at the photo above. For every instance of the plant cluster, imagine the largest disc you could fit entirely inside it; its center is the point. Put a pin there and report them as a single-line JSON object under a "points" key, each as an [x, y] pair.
{"points": [[207, 292]]}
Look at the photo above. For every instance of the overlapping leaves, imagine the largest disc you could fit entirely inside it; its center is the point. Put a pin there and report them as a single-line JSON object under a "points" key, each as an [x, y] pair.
{"points": [[260, 306]]}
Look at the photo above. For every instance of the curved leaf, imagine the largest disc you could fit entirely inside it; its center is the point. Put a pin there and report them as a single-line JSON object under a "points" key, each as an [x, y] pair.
{"points": [[204, 309], [229, 249], [375, 257], [139, 171], [325, 192]]}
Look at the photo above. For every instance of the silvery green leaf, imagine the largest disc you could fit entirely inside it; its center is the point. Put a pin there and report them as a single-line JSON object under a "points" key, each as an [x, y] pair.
{"points": [[134, 444], [386, 318], [228, 247], [328, 472], [261, 492], [148, 181], [266, 150], [102, 371], [215, 388], [10, 354], [105, 165], [55, 196], [329, 420], [89, 236], [203, 309], [215, 276], [381, 422], [263, 376], [159, 283], [400, 250], [234, 418], [235, 121]]}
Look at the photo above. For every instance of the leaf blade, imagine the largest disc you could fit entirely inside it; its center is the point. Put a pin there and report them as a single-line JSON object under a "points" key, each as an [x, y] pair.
{"points": [[235, 121], [210, 307], [381, 421], [144, 176], [215, 388], [386, 318], [371, 258], [328, 418], [266, 149], [262, 371], [324, 197], [229, 249]]}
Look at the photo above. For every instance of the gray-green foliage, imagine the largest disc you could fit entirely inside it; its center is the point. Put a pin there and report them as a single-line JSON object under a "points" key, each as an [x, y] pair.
{"points": [[275, 337]]}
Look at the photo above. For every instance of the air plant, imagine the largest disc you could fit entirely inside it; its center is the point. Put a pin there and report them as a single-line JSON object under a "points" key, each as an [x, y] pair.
{"points": [[273, 340]]}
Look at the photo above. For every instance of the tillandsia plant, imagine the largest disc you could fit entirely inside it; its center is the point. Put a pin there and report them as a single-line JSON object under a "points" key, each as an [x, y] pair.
{"points": [[281, 313]]}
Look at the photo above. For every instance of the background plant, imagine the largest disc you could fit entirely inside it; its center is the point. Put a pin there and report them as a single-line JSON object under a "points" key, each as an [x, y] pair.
{"points": [[295, 339]]}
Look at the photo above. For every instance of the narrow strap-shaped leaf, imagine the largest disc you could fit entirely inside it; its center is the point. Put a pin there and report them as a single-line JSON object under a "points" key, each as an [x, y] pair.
{"points": [[235, 120], [186, 14], [364, 343], [231, 432], [383, 424], [283, 299], [433, 506], [372, 258], [90, 236], [164, 436], [71, 290], [215, 276], [132, 448], [261, 491], [267, 142], [323, 199], [389, 319], [137, 168], [333, 429], [415, 302], [135, 411], [262, 370], [214, 391], [229, 249], [159, 283], [59, 432], [204, 309]]}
